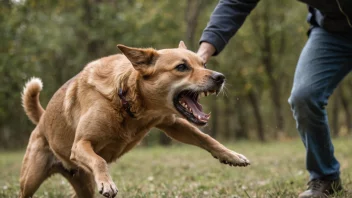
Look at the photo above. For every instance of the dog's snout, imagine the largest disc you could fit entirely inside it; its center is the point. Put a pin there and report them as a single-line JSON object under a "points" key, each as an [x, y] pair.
{"points": [[218, 78]]}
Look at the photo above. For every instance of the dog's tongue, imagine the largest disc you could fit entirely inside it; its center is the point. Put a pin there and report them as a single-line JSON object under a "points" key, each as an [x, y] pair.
{"points": [[196, 108]]}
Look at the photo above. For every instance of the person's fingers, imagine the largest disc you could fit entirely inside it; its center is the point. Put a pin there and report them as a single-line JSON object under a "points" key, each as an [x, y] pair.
{"points": [[204, 57], [205, 51]]}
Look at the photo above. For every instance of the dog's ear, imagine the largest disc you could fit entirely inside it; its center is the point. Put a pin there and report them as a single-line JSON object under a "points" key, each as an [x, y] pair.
{"points": [[182, 45], [141, 58]]}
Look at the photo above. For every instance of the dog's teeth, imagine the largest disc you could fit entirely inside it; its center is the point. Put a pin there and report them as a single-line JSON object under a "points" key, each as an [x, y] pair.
{"points": [[198, 117]]}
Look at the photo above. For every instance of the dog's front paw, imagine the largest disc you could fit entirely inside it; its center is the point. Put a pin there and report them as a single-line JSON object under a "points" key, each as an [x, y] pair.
{"points": [[107, 188], [232, 158]]}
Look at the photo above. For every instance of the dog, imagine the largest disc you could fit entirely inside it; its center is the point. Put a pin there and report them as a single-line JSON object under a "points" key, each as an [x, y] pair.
{"points": [[107, 109]]}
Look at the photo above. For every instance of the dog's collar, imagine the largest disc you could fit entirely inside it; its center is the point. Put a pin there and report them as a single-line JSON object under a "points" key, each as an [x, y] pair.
{"points": [[125, 105]]}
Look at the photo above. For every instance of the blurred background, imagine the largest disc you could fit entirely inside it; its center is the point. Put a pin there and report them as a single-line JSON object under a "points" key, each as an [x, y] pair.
{"points": [[54, 40]]}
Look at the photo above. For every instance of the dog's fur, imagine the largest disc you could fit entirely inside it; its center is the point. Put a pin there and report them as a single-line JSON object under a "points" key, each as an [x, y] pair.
{"points": [[85, 127]]}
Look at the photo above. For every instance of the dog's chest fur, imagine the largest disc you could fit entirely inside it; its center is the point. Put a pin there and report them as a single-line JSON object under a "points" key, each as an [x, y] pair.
{"points": [[114, 147]]}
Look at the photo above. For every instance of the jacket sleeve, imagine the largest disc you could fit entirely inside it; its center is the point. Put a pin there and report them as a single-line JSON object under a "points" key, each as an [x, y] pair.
{"points": [[225, 20]]}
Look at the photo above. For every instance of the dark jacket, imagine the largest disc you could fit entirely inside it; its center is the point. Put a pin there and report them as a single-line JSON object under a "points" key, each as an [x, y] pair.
{"points": [[229, 15]]}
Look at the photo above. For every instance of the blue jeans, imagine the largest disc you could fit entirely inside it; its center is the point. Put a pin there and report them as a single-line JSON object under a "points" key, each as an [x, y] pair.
{"points": [[324, 61]]}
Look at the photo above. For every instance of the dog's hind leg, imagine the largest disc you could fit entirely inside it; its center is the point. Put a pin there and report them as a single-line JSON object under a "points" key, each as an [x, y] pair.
{"points": [[81, 181], [36, 165]]}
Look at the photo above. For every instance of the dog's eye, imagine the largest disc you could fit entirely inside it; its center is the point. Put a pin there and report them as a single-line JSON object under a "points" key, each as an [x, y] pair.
{"points": [[182, 67]]}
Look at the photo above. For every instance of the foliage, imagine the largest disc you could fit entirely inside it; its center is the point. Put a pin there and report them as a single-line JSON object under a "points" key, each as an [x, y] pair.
{"points": [[53, 40]]}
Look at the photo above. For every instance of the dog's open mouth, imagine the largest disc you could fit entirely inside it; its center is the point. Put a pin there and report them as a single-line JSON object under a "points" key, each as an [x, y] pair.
{"points": [[187, 103]]}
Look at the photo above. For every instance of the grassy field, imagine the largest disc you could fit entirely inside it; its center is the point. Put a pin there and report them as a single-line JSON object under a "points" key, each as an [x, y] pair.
{"points": [[277, 170]]}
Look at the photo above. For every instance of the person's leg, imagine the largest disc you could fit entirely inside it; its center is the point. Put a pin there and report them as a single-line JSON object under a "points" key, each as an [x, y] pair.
{"points": [[325, 60]]}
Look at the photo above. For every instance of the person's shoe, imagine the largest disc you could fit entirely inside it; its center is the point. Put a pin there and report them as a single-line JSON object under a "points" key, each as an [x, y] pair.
{"points": [[321, 188]]}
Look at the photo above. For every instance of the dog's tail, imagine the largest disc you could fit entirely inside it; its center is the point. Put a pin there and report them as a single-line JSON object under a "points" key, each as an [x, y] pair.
{"points": [[30, 99]]}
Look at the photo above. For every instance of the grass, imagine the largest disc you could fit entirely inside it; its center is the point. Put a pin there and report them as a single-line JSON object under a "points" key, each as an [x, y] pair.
{"points": [[277, 170]]}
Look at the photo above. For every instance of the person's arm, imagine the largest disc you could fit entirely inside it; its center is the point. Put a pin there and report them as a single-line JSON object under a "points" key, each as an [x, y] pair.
{"points": [[224, 22]]}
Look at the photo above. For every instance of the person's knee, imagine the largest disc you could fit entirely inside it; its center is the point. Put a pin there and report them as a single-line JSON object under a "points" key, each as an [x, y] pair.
{"points": [[302, 99], [306, 101]]}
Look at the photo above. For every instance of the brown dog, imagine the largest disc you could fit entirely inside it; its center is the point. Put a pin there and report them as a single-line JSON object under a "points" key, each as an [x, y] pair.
{"points": [[105, 110]]}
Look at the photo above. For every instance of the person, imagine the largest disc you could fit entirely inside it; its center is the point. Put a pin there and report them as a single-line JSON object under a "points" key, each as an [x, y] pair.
{"points": [[324, 61]]}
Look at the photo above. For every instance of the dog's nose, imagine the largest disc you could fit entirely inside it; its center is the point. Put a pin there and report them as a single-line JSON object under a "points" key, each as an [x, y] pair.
{"points": [[218, 77]]}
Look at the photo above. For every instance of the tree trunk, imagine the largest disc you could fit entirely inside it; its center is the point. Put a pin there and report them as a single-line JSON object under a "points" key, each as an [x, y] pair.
{"points": [[214, 118], [335, 116], [267, 60], [257, 114], [88, 16], [145, 142], [193, 9], [242, 132], [7, 3], [164, 140], [227, 119], [346, 107]]}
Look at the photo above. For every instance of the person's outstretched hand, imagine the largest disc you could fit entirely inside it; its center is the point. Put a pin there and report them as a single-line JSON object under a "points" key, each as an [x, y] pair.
{"points": [[205, 51]]}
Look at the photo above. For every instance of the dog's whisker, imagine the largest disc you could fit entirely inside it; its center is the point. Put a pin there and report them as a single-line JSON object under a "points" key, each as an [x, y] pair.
{"points": [[224, 93], [224, 90]]}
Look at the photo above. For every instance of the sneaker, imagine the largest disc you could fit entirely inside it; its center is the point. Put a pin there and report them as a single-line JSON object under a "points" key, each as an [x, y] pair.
{"points": [[321, 188]]}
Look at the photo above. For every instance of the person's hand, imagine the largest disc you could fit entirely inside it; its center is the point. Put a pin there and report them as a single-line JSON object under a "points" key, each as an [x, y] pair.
{"points": [[205, 51]]}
